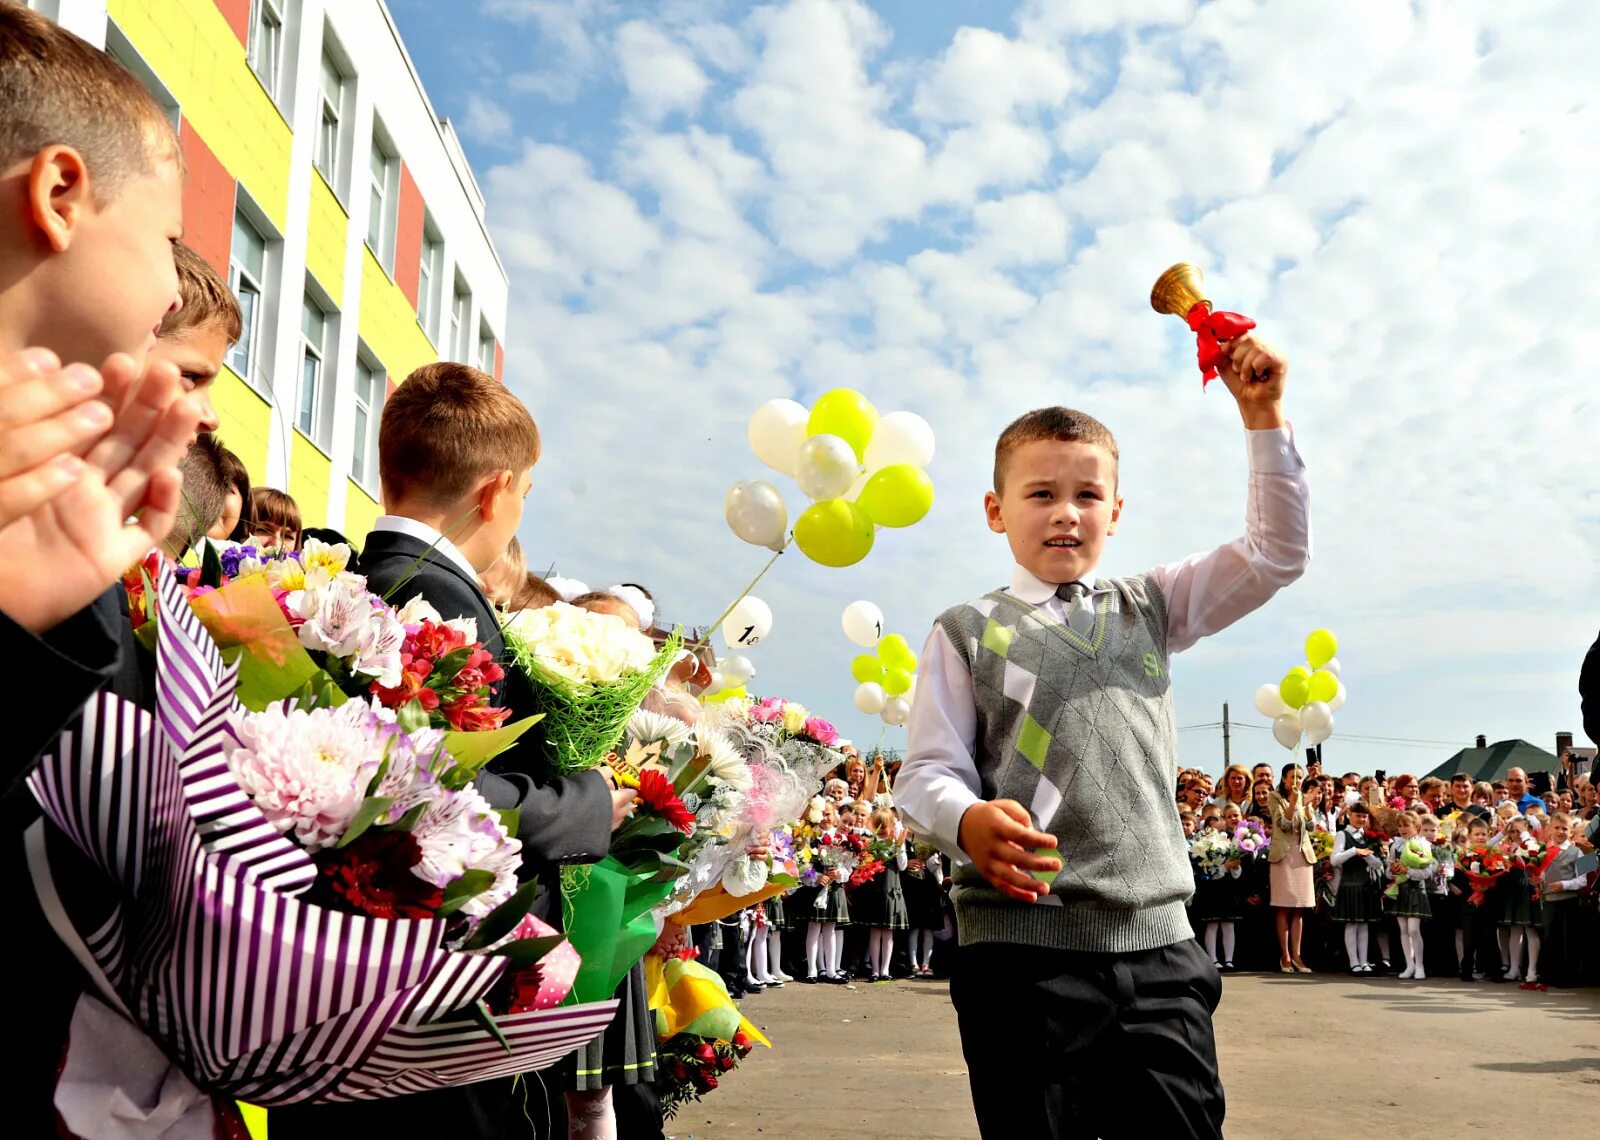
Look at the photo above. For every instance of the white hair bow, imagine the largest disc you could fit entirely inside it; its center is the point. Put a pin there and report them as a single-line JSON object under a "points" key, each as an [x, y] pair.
{"points": [[636, 601]]}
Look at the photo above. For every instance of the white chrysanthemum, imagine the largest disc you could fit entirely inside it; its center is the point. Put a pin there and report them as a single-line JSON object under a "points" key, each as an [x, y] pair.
{"points": [[307, 771], [459, 832], [648, 727], [727, 765]]}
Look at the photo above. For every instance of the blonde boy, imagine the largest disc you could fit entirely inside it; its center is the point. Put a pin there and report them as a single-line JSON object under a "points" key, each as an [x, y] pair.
{"points": [[1042, 750]]}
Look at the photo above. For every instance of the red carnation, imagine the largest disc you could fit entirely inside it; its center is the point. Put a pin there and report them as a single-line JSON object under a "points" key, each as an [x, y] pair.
{"points": [[373, 876], [655, 792]]}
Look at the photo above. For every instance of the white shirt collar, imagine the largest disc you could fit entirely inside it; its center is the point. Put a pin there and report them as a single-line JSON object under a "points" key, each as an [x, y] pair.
{"points": [[424, 533], [1026, 588]]}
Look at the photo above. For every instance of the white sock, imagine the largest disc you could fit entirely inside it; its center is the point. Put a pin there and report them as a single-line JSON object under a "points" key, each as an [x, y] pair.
{"points": [[1351, 930], [590, 1115], [775, 954], [1211, 941], [1514, 938], [813, 947], [758, 957], [1385, 950], [1227, 943], [1414, 927], [1363, 933], [832, 946], [1533, 951], [927, 947], [1503, 936]]}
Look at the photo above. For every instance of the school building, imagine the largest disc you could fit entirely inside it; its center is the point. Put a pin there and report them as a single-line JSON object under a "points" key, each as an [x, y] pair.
{"points": [[339, 205]]}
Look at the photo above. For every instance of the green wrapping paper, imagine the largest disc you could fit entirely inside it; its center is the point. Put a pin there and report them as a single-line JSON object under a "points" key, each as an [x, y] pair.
{"points": [[606, 909]]}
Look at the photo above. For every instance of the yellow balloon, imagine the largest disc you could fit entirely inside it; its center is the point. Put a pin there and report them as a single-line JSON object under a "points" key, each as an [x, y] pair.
{"points": [[847, 414], [896, 682], [1321, 647], [895, 653], [834, 532], [735, 694], [1323, 686], [897, 495], [866, 668], [1295, 687]]}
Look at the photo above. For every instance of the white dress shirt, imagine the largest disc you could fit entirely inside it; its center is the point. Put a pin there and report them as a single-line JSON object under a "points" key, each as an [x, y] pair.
{"points": [[1205, 593], [424, 533]]}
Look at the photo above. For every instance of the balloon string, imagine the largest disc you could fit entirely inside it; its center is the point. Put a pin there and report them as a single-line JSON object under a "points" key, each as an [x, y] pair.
{"points": [[706, 640]]}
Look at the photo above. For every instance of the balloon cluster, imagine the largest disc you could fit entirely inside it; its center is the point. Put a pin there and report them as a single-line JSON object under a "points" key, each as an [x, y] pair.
{"points": [[860, 471], [887, 678], [1303, 703], [746, 626]]}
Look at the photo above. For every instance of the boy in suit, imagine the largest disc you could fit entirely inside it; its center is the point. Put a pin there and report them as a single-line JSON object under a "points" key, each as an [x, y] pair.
{"points": [[456, 452], [91, 185], [1562, 882], [1042, 750]]}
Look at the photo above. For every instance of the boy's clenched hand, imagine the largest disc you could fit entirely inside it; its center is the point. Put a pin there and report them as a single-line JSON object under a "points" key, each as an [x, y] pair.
{"points": [[998, 837], [1255, 372]]}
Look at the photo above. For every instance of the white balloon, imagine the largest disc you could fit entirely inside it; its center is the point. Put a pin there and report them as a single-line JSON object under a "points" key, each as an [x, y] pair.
{"points": [[854, 492], [1314, 716], [1338, 699], [826, 468], [1286, 730], [747, 623], [900, 437], [1269, 703], [756, 513], [1332, 665], [863, 624], [870, 698], [738, 670], [896, 711], [777, 430], [1322, 733]]}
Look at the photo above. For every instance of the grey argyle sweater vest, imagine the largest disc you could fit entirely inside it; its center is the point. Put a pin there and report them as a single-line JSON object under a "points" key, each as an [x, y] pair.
{"points": [[1080, 732]]}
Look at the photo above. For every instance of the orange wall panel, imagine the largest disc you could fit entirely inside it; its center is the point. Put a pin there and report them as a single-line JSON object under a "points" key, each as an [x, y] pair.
{"points": [[500, 362], [207, 201], [237, 13], [408, 237]]}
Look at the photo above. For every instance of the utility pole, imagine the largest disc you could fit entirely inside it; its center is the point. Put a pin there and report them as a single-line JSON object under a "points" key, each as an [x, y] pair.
{"points": [[1226, 756]]}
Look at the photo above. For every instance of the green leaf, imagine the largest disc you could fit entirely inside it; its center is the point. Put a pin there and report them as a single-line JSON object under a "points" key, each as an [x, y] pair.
{"points": [[508, 819], [525, 952], [210, 566], [408, 822], [479, 1012], [451, 663], [469, 886], [383, 770], [503, 919], [366, 815], [783, 880], [411, 716], [472, 750]]}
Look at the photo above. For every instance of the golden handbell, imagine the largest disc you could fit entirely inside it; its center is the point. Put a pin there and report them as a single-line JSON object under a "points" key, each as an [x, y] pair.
{"points": [[1177, 291]]}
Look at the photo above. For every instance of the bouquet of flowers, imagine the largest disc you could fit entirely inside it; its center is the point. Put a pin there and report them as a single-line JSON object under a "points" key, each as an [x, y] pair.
{"points": [[700, 1033], [1483, 867], [1415, 855], [1211, 851], [1248, 838], [591, 671], [269, 853], [1376, 842], [1321, 844], [691, 1066]]}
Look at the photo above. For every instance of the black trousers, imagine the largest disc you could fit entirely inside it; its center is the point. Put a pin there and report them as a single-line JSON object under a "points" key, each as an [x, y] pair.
{"points": [[1481, 949], [1064, 1044], [1558, 958]]}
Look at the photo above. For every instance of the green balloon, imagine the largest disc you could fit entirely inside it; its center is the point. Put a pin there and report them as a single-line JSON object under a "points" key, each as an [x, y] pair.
{"points": [[1295, 687], [897, 495], [1321, 647], [834, 532], [895, 653], [866, 668], [896, 682], [847, 414], [1323, 686]]}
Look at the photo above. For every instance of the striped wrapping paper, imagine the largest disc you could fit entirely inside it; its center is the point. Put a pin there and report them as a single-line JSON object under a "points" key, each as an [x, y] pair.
{"points": [[254, 993]]}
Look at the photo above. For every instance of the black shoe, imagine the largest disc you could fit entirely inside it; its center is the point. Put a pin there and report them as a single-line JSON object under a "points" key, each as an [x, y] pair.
{"points": [[1497, 979], [1467, 977], [838, 980], [1384, 966], [753, 987], [1229, 968], [809, 979]]}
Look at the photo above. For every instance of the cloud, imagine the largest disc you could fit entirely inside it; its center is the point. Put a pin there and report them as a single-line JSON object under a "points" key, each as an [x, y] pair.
{"points": [[1400, 195], [487, 121]]}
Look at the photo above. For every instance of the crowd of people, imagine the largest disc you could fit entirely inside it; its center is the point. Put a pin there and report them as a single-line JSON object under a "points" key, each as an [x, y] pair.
{"points": [[1300, 869]]}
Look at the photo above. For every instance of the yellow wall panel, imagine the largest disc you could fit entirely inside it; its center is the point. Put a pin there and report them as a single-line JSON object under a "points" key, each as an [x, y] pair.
{"points": [[189, 44], [309, 472], [360, 512], [389, 323], [246, 422], [325, 240]]}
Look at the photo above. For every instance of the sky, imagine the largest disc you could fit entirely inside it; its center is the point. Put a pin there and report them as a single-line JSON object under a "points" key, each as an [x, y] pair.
{"points": [[958, 209]]}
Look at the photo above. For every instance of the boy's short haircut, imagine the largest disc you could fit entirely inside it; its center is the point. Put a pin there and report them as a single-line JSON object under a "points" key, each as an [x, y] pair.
{"points": [[272, 509], [206, 298], [1065, 425], [1478, 825], [205, 486], [236, 474], [1427, 819], [1483, 787], [58, 89], [447, 427], [1409, 816]]}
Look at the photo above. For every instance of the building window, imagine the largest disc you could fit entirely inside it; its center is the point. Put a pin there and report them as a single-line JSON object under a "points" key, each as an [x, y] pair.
{"points": [[380, 216], [328, 132], [313, 350], [460, 328], [369, 410], [247, 276], [428, 281], [266, 43], [486, 349]]}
